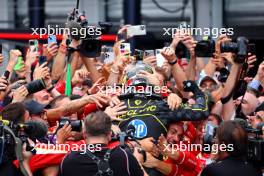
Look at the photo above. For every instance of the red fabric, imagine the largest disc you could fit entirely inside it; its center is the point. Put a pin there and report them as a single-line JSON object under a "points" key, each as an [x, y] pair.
{"points": [[60, 87], [40, 161], [190, 131], [186, 165], [89, 108]]}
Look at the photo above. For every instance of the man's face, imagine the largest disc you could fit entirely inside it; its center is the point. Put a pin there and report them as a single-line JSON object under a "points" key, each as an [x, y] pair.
{"points": [[249, 103], [208, 85], [213, 119], [42, 97], [175, 133]]}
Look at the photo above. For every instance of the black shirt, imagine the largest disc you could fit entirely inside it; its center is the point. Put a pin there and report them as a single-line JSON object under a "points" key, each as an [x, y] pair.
{"points": [[230, 167], [121, 162]]}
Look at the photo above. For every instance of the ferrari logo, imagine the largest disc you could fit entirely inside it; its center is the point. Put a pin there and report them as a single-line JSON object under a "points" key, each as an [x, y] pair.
{"points": [[137, 102]]}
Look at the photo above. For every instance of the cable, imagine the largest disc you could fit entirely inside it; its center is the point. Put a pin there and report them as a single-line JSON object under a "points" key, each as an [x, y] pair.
{"points": [[168, 10]]}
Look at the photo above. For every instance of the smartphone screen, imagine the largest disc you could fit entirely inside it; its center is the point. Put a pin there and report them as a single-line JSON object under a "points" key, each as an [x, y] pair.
{"points": [[33, 45], [148, 53], [42, 59], [52, 39], [1, 48], [159, 57], [252, 48]]}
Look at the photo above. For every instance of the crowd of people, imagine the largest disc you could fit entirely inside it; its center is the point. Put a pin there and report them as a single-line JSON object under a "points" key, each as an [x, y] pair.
{"points": [[85, 102]]}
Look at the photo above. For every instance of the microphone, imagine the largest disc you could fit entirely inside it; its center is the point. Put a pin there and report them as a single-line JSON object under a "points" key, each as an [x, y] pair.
{"points": [[130, 131], [74, 29]]}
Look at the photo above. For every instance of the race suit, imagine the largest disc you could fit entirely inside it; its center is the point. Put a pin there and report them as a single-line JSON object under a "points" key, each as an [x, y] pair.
{"points": [[150, 116]]}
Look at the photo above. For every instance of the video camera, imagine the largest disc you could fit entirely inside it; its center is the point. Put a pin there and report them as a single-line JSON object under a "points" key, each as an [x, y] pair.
{"points": [[255, 148], [206, 48], [79, 29], [13, 136]]}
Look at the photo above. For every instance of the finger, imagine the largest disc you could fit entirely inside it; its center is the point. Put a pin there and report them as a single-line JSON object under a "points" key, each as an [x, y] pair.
{"points": [[121, 113]]}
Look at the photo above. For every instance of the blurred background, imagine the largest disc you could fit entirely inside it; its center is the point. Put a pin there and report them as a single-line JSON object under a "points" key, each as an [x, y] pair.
{"points": [[245, 16]]}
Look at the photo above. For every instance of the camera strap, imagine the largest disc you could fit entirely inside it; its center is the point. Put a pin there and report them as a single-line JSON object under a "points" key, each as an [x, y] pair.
{"points": [[102, 165]]}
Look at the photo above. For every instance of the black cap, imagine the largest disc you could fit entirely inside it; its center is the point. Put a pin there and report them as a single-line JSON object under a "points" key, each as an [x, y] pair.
{"points": [[34, 107]]}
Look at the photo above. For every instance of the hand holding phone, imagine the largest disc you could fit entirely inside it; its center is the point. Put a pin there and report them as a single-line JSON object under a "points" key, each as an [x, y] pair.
{"points": [[159, 57], [33, 45], [136, 30], [52, 39]]}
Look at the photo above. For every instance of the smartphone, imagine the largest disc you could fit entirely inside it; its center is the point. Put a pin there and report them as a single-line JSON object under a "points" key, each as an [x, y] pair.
{"points": [[136, 30], [125, 49], [252, 48], [108, 57], [33, 45], [159, 57], [19, 64], [42, 59], [139, 54], [148, 53], [52, 39], [1, 48]]}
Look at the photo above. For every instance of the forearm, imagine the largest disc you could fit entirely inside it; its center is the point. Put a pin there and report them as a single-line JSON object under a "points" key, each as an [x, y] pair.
{"points": [[27, 168], [179, 76], [59, 63], [89, 64], [74, 63], [210, 68], [231, 80], [113, 77], [191, 69], [228, 107]]}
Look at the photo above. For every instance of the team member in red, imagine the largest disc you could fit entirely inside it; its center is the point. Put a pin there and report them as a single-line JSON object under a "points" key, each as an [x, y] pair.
{"points": [[182, 162]]}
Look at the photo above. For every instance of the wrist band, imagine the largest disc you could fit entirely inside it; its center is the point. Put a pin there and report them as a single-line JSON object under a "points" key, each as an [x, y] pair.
{"points": [[174, 62]]}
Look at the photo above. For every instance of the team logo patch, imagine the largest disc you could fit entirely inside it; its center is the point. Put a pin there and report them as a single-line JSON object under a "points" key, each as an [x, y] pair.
{"points": [[141, 128]]}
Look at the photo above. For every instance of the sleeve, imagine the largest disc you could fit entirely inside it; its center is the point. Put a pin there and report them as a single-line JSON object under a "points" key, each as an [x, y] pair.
{"points": [[196, 112], [125, 164], [189, 162], [207, 171]]}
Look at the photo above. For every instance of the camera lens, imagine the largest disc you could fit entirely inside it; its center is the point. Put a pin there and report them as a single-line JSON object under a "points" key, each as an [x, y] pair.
{"points": [[229, 47]]}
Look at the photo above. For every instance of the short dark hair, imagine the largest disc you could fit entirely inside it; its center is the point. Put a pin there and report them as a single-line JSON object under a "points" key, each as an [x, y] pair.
{"points": [[14, 112], [231, 132], [217, 117], [97, 123]]}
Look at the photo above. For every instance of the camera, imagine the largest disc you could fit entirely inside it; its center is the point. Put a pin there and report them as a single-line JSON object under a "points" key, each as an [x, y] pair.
{"points": [[206, 48], [14, 135], [255, 151], [75, 124], [240, 48], [90, 45], [224, 73]]}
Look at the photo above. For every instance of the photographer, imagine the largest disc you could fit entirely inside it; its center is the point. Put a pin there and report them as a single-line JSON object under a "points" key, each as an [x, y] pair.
{"points": [[97, 132], [233, 162]]}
